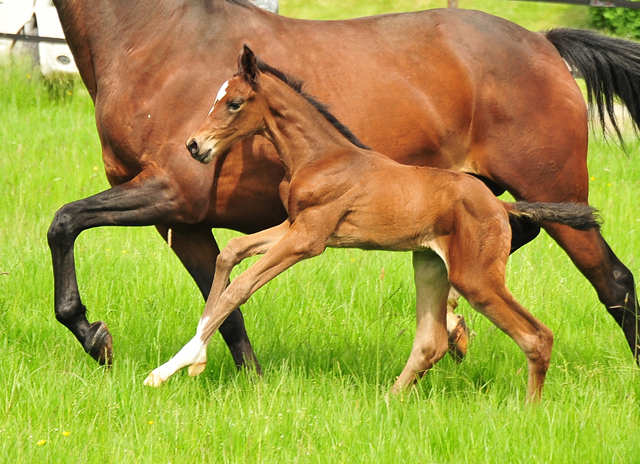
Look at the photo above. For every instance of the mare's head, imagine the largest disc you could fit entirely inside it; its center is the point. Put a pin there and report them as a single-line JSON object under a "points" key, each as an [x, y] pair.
{"points": [[237, 112]]}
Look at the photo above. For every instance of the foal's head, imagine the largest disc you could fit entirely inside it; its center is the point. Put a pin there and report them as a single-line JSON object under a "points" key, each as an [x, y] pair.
{"points": [[237, 112], [241, 106]]}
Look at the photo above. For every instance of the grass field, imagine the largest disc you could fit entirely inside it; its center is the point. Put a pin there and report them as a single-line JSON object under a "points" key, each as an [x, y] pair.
{"points": [[331, 335], [532, 15]]}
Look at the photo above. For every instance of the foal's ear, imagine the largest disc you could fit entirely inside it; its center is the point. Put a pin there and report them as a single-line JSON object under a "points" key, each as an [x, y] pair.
{"points": [[248, 66]]}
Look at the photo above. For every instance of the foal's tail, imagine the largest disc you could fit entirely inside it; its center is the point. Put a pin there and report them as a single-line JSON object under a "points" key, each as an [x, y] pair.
{"points": [[609, 66], [575, 215]]}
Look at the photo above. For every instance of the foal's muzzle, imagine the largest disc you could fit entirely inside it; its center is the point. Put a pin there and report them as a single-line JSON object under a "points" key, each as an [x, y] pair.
{"points": [[196, 154]]}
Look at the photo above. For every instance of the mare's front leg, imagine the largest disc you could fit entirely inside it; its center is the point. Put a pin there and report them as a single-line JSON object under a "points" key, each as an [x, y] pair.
{"points": [[286, 246], [197, 250], [431, 340], [140, 202]]}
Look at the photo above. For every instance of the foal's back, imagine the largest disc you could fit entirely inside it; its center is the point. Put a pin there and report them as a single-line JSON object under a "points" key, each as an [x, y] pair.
{"points": [[406, 208]]}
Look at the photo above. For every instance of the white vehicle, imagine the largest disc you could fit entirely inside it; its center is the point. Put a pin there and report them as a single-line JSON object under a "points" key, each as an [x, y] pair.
{"points": [[269, 5], [27, 27]]}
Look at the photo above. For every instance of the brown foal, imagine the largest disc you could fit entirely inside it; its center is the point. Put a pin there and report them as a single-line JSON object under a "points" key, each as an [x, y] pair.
{"points": [[338, 193]]}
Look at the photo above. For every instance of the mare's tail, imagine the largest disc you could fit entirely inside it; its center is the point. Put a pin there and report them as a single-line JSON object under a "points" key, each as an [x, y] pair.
{"points": [[575, 215], [609, 66]]}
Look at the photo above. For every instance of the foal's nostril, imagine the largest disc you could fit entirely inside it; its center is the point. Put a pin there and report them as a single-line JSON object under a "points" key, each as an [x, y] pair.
{"points": [[193, 148]]}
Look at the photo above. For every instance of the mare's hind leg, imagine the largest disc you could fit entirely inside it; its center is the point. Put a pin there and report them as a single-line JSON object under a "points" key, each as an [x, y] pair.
{"points": [[431, 341], [611, 279], [198, 251]]}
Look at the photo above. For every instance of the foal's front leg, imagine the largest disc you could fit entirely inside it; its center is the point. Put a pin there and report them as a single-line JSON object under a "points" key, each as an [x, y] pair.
{"points": [[198, 252], [236, 251], [294, 245]]}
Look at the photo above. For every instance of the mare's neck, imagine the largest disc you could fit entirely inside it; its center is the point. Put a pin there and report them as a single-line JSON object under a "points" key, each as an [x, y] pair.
{"points": [[300, 134]]}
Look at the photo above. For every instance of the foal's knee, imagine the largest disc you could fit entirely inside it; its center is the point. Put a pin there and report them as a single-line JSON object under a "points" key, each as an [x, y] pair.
{"points": [[229, 256]]}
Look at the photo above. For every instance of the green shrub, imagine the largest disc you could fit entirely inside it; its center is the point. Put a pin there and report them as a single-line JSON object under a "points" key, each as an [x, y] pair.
{"points": [[619, 21]]}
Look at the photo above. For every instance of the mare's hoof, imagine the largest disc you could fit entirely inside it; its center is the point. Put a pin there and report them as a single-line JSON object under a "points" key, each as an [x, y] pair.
{"points": [[196, 369], [458, 336], [153, 380], [100, 343]]}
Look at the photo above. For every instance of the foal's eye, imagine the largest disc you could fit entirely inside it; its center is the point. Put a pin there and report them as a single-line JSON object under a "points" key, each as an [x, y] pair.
{"points": [[234, 105]]}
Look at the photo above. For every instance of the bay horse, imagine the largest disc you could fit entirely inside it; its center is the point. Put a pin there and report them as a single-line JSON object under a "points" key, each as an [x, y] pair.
{"points": [[338, 193], [489, 98]]}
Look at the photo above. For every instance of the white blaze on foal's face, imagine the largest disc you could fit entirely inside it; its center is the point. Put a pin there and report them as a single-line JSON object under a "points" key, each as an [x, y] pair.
{"points": [[221, 93]]}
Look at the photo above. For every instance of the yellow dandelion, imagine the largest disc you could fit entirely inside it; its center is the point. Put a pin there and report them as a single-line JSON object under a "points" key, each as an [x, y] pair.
{"points": [[42, 442], [124, 252], [353, 260], [593, 178], [95, 168], [66, 434], [151, 422]]}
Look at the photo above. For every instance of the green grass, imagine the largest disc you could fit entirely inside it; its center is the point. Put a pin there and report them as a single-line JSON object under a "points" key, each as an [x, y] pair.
{"points": [[331, 335]]}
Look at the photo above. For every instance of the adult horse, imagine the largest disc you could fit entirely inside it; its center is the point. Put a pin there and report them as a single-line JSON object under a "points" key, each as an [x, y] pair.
{"points": [[486, 97]]}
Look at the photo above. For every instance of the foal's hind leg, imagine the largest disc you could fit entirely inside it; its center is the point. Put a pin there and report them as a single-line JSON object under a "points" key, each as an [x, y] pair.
{"points": [[522, 232], [480, 280], [431, 341]]}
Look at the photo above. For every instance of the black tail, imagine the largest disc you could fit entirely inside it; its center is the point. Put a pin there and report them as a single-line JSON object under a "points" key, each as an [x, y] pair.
{"points": [[575, 215], [609, 66]]}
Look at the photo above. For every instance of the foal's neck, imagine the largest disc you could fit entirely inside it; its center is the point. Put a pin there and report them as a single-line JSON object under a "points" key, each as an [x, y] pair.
{"points": [[299, 132]]}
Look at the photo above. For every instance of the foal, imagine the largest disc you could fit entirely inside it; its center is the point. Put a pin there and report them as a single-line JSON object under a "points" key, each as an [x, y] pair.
{"points": [[338, 194]]}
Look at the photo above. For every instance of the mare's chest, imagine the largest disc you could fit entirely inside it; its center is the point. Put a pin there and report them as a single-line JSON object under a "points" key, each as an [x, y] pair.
{"points": [[141, 129]]}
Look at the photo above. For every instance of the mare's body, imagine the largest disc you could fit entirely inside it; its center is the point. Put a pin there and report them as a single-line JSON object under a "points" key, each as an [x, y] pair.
{"points": [[488, 98], [341, 195]]}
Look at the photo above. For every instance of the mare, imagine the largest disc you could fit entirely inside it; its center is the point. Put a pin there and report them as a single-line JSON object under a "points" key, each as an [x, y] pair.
{"points": [[487, 97], [341, 194]]}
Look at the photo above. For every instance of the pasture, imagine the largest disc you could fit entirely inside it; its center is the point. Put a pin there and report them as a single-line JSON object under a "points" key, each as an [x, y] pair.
{"points": [[331, 333]]}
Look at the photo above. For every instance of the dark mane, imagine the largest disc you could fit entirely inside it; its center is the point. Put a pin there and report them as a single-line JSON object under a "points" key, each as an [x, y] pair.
{"points": [[240, 2], [323, 109]]}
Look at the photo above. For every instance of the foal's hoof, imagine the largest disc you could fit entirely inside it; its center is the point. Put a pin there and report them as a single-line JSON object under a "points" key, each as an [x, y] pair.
{"points": [[196, 369], [153, 380], [458, 336], [100, 345]]}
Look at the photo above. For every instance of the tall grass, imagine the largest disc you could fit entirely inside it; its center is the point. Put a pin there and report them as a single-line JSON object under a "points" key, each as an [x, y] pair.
{"points": [[331, 334]]}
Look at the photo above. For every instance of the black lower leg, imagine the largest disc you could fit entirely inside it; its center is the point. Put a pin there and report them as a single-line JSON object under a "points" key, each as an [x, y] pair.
{"points": [[145, 204], [622, 303]]}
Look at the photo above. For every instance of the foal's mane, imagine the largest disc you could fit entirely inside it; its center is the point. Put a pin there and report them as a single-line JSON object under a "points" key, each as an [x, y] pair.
{"points": [[297, 85]]}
